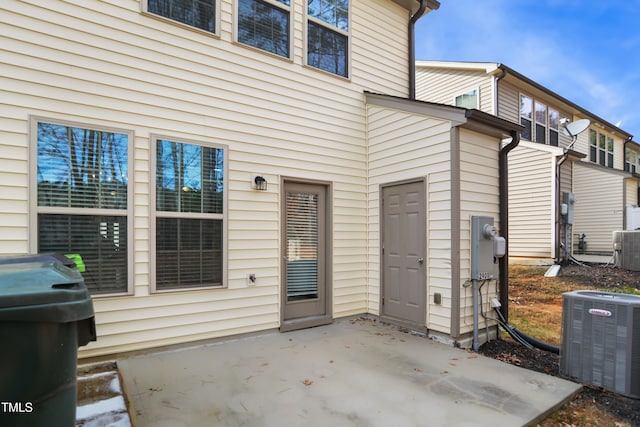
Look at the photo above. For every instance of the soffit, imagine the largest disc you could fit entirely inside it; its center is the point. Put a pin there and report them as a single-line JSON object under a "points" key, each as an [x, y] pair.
{"points": [[413, 5]]}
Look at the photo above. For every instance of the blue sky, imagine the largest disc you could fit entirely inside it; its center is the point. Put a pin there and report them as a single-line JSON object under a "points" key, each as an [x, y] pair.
{"points": [[586, 51]]}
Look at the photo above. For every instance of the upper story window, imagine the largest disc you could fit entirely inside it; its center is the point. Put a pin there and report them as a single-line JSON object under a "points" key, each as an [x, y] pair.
{"points": [[541, 122], [554, 127], [526, 116], [328, 35], [189, 214], [600, 148], [82, 181], [195, 13], [632, 161], [469, 99], [265, 24]]}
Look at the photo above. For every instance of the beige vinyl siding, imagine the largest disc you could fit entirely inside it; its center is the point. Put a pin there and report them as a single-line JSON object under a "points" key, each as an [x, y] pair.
{"points": [[566, 176], [14, 191], [582, 144], [479, 195], [107, 64], [531, 202], [599, 205], [379, 46], [631, 192], [508, 102], [405, 146], [443, 85]]}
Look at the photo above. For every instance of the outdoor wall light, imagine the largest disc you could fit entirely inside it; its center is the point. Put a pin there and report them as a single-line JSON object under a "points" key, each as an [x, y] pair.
{"points": [[259, 183]]}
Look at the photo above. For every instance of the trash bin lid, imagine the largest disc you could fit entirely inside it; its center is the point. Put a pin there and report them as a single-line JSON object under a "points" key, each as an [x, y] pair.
{"points": [[42, 289]]}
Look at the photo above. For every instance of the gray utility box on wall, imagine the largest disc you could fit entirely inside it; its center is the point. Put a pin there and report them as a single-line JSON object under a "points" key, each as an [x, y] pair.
{"points": [[483, 265], [601, 340]]}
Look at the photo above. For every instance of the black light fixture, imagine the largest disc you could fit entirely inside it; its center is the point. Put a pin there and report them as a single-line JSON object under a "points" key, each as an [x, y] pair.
{"points": [[260, 183]]}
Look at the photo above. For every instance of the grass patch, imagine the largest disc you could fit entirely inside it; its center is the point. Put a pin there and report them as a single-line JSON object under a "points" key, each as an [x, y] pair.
{"points": [[535, 301]]}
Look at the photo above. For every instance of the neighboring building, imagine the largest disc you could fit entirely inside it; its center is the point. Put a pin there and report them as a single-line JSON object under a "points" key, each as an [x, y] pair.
{"points": [[545, 166], [219, 168]]}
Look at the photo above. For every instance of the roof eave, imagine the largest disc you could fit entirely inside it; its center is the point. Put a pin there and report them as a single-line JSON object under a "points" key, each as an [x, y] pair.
{"points": [[414, 5], [564, 100]]}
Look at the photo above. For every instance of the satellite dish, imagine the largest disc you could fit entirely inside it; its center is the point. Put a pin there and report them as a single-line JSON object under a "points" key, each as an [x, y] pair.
{"points": [[574, 128]]}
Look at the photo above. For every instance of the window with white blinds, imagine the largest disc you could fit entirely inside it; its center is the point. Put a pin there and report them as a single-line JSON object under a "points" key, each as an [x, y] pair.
{"points": [[189, 215], [82, 200], [265, 24], [195, 13], [302, 245]]}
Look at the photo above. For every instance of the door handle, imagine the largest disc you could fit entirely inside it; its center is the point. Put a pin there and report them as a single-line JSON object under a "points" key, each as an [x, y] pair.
{"points": [[420, 260]]}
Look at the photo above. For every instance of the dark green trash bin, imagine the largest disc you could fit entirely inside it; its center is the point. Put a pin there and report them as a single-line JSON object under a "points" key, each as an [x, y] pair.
{"points": [[46, 313]]}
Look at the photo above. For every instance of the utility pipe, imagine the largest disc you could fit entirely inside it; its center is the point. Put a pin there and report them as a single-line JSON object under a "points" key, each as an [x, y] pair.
{"points": [[476, 343]]}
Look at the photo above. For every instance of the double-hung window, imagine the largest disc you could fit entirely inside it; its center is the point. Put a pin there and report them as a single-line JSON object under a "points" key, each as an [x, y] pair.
{"points": [[189, 206], [632, 161], [199, 14], [328, 35], [554, 126], [266, 25], [526, 116], [82, 197], [541, 122], [600, 148]]}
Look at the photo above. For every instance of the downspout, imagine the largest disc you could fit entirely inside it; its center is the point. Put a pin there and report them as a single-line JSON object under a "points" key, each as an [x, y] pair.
{"points": [[503, 267], [624, 149], [497, 100], [412, 48]]}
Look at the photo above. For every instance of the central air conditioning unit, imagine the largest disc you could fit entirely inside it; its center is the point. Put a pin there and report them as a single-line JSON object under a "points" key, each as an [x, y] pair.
{"points": [[626, 249], [633, 217], [601, 340]]}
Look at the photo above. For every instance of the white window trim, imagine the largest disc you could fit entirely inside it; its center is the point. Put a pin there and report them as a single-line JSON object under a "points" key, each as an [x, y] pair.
{"points": [[153, 138], [347, 34], [289, 9], [603, 152], [534, 121], [145, 11], [476, 89], [34, 209]]}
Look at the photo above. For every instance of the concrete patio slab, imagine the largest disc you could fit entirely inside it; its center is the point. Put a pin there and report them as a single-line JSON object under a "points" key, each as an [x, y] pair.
{"points": [[355, 372]]}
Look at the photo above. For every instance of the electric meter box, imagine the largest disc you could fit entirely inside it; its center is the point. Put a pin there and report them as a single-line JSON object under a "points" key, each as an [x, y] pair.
{"points": [[483, 258], [569, 200]]}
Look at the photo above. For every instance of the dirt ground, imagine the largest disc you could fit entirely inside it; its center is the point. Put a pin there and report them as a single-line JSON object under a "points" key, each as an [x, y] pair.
{"points": [[531, 292]]}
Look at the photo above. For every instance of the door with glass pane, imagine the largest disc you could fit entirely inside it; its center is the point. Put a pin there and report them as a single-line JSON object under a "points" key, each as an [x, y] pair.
{"points": [[304, 285]]}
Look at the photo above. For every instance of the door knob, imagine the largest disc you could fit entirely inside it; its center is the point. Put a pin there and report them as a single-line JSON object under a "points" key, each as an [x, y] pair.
{"points": [[420, 260]]}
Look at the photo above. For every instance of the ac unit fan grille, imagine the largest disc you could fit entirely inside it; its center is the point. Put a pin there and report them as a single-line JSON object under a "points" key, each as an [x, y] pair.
{"points": [[601, 340]]}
